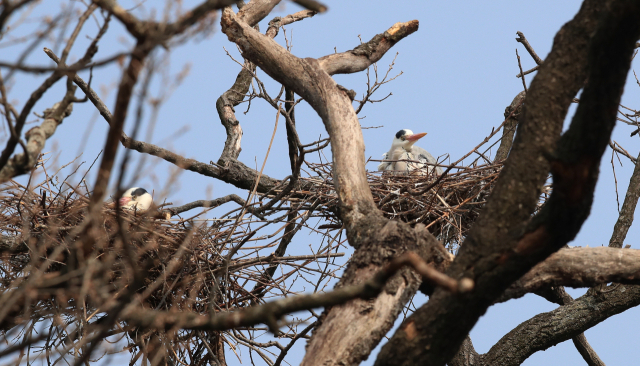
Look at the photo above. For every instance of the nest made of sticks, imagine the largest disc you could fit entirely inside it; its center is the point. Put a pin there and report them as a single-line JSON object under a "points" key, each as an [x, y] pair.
{"points": [[53, 226], [159, 264], [446, 205]]}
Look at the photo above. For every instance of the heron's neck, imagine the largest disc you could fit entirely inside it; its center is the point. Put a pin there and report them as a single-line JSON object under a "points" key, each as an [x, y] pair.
{"points": [[395, 153]]}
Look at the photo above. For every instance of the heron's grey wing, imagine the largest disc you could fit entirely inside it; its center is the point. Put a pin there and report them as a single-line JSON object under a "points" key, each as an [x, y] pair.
{"points": [[385, 164], [423, 154]]}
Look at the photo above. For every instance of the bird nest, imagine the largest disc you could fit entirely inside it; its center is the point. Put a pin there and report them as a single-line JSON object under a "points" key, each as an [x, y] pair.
{"points": [[49, 242], [447, 205], [56, 227]]}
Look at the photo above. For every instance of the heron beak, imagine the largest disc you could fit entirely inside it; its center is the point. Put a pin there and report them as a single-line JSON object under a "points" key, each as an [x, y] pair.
{"points": [[416, 136], [124, 201]]}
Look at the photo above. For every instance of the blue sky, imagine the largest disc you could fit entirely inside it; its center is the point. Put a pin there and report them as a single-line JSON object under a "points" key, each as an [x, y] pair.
{"points": [[458, 76]]}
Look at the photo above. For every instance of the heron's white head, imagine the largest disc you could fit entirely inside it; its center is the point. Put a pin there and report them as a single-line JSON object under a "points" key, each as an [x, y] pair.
{"points": [[405, 139], [136, 198]]}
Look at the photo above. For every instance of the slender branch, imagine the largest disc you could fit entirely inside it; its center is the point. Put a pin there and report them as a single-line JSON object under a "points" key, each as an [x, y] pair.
{"points": [[37, 136], [293, 341], [205, 204], [521, 38], [8, 8], [38, 93], [125, 90], [269, 313], [512, 113], [586, 351], [625, 218], [142, 29], [524, 83], [535, 68]]}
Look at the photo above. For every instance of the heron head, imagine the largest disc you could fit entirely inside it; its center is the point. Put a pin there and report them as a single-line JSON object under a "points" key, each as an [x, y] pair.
{"points": [[136, 198], [406, 138]]}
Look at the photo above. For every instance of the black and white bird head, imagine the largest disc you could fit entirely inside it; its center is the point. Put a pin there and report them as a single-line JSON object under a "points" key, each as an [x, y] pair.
{"points": [[403, 156], [405, 139], [136, 198]]}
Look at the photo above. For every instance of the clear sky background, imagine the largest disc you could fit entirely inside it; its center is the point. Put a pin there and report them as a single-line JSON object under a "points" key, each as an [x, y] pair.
{"points": [[458, 76]]}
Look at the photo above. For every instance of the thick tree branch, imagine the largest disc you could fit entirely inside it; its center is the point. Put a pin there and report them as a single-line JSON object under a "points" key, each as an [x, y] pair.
{"points": [[142, 29], [579, 267], [12, 244], [236, 94], [377, 240], [225, 104], [501, 246], [466, 355], [548, 329], [558, 295], [256, 10], [368, 53]]}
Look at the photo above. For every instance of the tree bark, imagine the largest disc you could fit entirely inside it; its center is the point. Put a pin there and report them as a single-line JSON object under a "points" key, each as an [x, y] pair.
{"points": [[376, 239], [504, 243]]}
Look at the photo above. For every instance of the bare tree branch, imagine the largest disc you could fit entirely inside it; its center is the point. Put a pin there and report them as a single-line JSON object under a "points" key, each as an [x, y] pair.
{"points": [[490, 254], [312, 5], [205, 204], [466, 355], [36, 95], [521, 38], [509, 129], [579, 267], [269, 313], [37, 136], [625, 219], [368, 53], [547, 329], [142, 29]]}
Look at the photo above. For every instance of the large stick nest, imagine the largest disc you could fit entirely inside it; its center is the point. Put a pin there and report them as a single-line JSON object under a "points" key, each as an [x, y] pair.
{"points": [[48, 243], [446, 205]]}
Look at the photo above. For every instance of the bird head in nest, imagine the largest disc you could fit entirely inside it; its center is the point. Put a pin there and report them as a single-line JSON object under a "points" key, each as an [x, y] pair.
{"points": [[406, 138], [136, 198]]}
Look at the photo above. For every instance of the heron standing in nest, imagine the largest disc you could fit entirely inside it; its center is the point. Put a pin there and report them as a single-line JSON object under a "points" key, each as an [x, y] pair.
{"points": [[405, 157]]}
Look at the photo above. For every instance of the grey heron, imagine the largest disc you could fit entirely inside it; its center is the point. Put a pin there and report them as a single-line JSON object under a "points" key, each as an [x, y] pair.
{"points": [[405, 157], [136, 198]]}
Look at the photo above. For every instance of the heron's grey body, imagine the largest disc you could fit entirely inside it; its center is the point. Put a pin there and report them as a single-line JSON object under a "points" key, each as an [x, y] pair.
{"points": [[405, 157]]}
